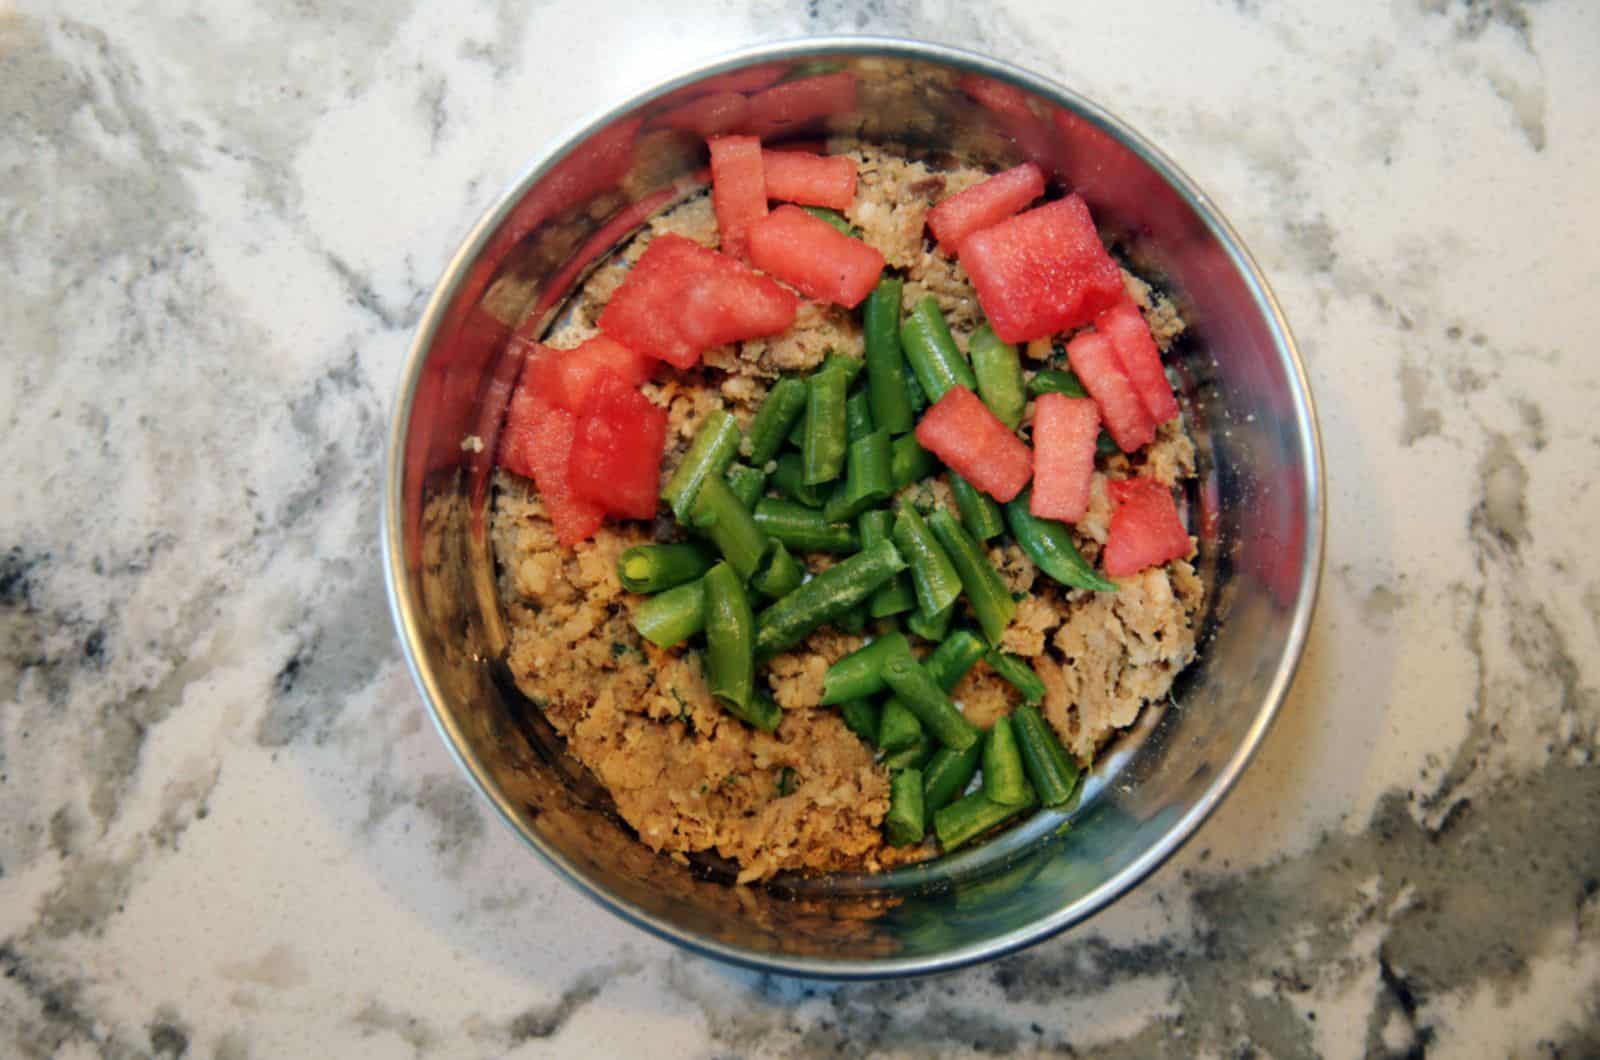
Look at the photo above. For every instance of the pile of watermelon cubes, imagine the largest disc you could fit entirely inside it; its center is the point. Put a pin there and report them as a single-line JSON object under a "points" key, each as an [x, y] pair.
{"points": [[580, 427]]}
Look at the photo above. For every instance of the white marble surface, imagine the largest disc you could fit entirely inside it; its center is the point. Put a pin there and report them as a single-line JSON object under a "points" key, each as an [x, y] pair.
{"points": [[226, 829]]}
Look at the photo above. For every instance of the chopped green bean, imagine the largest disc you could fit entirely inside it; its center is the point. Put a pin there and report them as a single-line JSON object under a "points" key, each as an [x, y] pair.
{"points": [[914, 757], [730, 526], [857, 415], [788, 478], [825, 597], [860, 674], [1051, 771], [713, 449], [946, 776], [762, 713], [1003, 781], [969, 817], [1016, 671], [803, 529], [833, 217], [730, 635], [784, 407], [1049, 544], [897, 596], [980, 513], [980, 582], [826, 438], [887, 384], [1056, 381], [861, 716], [904, 823], [898, 728], [932, 352], [999, 373], [931, 627], [851, 366], [672, 617], [909, 462], [868, 478], [853, 621], [747, 483], [955, 655], [916, 689], [780, 573], [652, 568], [932, 575]]}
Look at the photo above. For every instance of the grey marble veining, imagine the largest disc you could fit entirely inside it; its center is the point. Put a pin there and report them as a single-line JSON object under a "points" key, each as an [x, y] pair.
{"points": [[225, 827]]}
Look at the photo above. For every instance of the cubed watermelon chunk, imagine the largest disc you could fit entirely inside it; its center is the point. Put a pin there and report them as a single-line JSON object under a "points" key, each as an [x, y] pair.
{"points": [[1145, 529], [1136, 351], [1095, 361], [795, 105], [536, 443], [984, 205], [811, 254], [680, 299], [1042, 271], [738, 189], [960, 430], [814, 180], [1064, 433], [616, 451], [565, 377], [710, 115]]}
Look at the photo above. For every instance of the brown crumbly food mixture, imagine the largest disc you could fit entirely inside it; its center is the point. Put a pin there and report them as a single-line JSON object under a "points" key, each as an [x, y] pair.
{"points": [[689, 777]]}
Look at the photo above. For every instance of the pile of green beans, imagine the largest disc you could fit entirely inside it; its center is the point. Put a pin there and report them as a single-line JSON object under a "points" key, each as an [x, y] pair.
{"points": [[829, 466]]}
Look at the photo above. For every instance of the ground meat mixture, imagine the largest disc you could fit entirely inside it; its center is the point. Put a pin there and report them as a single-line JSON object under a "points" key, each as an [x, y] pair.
{"points": [[690, 778]]}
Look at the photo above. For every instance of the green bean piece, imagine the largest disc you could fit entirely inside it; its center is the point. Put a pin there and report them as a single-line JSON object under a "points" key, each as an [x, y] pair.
{"points": [[747, 483], [1017, 673], [713, 449], [730, 525], [1003, 781], [909, 462], [946, 776], [788, 478], [999, 372], [857, 415], [934, 357], [903, 824], [669, 618], [861, 717], [914, 757], [825, 597], [652, 568], [780, 573], [833, 217], [762, 713], [969, 817], [853, 621], [916, 689], [1056, 381], [796, 438], [887, 383], [784, 407], [730, 633], [822, 452], [1051, 770], [980, 513], [955, 655], [932, 574], [980, 582], [1104, 446], [1049, 544], [868, 478], [898, 728], [851, 366], [803, 529], [931, 627], [860, 674], [897, 596]]}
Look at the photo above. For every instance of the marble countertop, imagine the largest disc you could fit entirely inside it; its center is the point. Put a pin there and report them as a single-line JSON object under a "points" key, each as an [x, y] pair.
{"points": [[227, 829]]}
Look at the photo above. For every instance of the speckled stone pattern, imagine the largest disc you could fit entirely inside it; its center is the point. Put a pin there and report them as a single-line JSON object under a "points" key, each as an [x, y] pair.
{"points": [[226, 829]]}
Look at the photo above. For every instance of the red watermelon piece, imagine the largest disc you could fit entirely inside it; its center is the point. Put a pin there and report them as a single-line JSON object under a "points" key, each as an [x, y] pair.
{"points": [[961, 431], [1095, 362], [984, 205], [1145, 529], [536, 443], [738, 189], [811, 254], [1064, 433], [810, 179], [617, 445], [1136, 351]]}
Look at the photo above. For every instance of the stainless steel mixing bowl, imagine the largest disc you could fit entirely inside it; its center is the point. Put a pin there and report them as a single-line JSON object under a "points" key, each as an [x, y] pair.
{"points": [[1257, 510]]}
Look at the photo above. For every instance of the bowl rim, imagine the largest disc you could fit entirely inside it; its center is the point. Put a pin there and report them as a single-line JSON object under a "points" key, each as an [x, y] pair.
{"points": [[404, 608]]}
